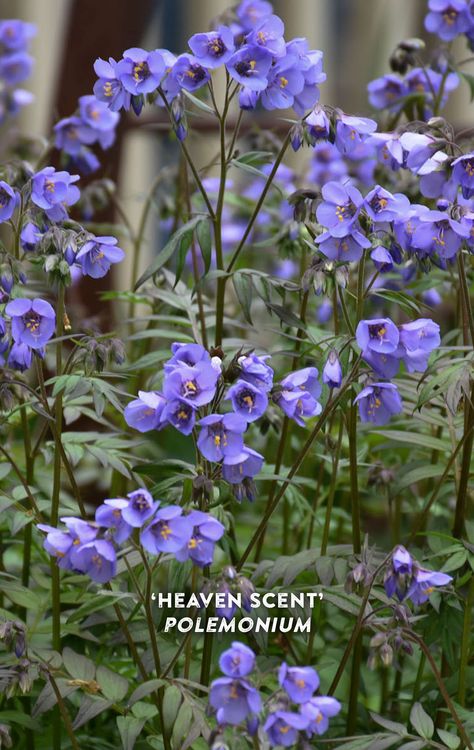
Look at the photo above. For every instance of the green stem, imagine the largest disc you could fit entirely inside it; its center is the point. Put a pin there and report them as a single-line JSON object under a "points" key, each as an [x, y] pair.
{"points": [[419, 678], [330, 406], [63, 713], [332, 490], [259, 203], [465, 643], [355, 504], [55, 498], [461, 510], [354, 696], [345, 312]]}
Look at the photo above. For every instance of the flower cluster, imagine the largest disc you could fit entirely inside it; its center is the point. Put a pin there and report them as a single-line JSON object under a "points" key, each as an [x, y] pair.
{"points": [[193, 381], [90, 547], [383, 346], [408, 580], [15, 65], [450, 18], [235, 699], [264, 66], [93, 123]]}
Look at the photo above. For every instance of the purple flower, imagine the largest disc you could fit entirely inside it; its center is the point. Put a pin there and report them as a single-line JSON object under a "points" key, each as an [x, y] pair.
{"points": [[186, 354], [432, 297], [310, 63], [189, 73], [285, 81], [252, 12], [299, 682], [339, 209], [428, 82], [237, 661], [298, 393], [382, 258], [221, 435], [378, 402], [140, 508], [332, 372], [8, 201], [387, 92], [15, 34], [448, 18], [399, 573], [214, 48], [206, 531], [463, 174], [58, 544], [194, 386], [424, 583], [234, 700], [383, 206], [255, 370], [109, 88], [244, 465], [52, 191], [282, 728], [140, 71], [98, 117], [247, 400], [33, 321], [345, 249], [250, 66], [169, 531], [385, 365], [351, 131], [98, 560], [420, 334], [20, 357], [380, 335], [268, 34], [180, 414], [319, 710], [30, 236], [70, 135], [15, 67], [145, 412], [437, 233], [318, 125], [97, 255], [109, 515]]}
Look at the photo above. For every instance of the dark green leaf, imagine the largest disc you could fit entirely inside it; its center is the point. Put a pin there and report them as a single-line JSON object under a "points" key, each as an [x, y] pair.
{"points": [[183, 233]]}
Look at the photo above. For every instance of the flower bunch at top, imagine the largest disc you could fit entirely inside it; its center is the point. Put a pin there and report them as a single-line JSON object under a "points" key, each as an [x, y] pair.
{"points": [[90, 548], [93, 123], [194, 387], [408, 580], [264, 66], [15, 65], [235, 699]]}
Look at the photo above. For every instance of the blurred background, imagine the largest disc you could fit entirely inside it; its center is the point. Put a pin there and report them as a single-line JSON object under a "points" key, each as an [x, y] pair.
{"points": [[356, 36]]}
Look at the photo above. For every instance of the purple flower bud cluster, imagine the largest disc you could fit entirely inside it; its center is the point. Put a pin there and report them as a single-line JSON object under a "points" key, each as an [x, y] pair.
{"points": [[406, 579], [265, 67], [91, 547], [15, 65], [235, 700], [193, 381], [93, 123]]}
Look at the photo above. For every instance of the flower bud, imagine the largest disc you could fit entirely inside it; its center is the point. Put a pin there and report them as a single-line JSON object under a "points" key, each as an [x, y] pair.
{"points": [[332, 372], [386, 654]]}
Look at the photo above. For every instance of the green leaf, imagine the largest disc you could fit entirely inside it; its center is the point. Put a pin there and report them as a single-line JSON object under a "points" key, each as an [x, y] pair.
{"points": [[18, 717], [183, 234], [199, 103], [129, 728], [113, 685], [450, 740], [146, 688], [171, 702], [203, 232], [181, 725], [420, 720], [456, 561], [243, 288], [415, 438], [89, 709], [418, 474], [413, 745], [78, 666], [392, 726], [286, 316]]}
